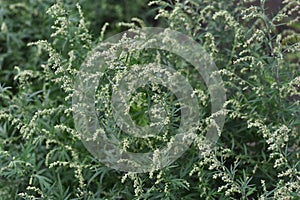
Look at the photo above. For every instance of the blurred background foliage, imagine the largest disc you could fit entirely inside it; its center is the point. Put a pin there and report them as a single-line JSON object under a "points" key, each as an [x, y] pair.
{"points": [[26, 21]]}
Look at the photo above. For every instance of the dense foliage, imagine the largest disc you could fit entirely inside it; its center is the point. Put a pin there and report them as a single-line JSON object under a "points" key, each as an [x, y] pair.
{"points": [[42, 46]]}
